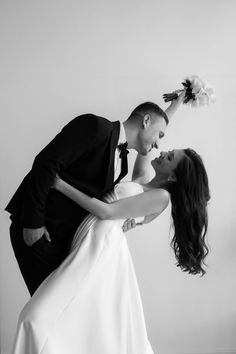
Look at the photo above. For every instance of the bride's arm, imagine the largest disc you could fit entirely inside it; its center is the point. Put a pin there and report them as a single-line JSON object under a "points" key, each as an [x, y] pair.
{"points": [[142, 171], [174, 105], [146, 203]]}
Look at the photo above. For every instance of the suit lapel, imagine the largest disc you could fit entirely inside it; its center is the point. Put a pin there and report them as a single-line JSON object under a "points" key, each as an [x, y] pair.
{"points": [[113, 144]]}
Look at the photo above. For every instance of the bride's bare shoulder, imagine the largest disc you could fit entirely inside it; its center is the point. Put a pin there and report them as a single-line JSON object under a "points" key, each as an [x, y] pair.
{"points": [[159, 190], [161, 194]]}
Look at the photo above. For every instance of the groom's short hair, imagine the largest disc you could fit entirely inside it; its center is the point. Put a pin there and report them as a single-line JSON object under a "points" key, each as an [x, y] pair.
{"points": [[149, 107]]}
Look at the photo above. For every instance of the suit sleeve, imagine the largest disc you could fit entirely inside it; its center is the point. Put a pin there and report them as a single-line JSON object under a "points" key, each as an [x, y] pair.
{"points": [[75, 139]]}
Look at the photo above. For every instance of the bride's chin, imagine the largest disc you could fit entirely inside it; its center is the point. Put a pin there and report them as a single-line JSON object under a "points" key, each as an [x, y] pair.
{"points": [[154, 163], [155, 167]]}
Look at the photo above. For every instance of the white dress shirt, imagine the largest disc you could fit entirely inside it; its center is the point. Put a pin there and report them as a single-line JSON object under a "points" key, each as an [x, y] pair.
{"points": [[117, 159]]}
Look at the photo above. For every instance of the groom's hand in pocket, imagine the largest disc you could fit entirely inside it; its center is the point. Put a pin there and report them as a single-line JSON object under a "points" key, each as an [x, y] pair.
{"points": [[30, 236], [129, 224]]}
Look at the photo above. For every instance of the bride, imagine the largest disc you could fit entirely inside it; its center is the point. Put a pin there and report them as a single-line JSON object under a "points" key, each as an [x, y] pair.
{"points": [[91, 303]]}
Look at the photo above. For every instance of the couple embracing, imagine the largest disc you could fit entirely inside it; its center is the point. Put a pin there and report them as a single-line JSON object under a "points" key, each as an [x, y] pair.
{"points": [[69, 216]]}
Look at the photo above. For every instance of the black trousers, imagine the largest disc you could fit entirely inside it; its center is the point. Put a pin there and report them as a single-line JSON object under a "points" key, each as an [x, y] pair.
{"points": [[36, 262]]}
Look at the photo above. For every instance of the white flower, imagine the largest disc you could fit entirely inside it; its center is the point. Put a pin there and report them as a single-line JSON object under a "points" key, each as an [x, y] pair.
{"points": [[203, 100], [204, 94], [211, 95]]}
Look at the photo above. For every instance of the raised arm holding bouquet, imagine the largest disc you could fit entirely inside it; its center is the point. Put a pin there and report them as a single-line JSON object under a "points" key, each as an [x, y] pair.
{"points": [[197, 92]]}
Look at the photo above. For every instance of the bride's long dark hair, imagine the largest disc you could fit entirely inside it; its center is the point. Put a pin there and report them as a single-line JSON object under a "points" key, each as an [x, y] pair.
{"points": [[189, 197]]}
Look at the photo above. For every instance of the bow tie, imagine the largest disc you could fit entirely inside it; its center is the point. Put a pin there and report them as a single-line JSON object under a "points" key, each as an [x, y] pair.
{"points": [[123, 149]]}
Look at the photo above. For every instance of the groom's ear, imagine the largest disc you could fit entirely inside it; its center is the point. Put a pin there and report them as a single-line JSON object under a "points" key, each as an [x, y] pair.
{"points": [[146, 121]]}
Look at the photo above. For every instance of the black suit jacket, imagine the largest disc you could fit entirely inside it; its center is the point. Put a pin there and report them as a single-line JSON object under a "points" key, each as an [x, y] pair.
{"points": [[83, 155]]}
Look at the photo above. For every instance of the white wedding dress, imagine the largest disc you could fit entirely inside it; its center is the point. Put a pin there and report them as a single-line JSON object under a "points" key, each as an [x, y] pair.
{"points": [[91, 303]]}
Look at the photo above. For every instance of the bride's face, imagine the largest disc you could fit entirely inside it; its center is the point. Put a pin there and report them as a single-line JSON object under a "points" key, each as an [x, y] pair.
{"points": [[167, 162]]}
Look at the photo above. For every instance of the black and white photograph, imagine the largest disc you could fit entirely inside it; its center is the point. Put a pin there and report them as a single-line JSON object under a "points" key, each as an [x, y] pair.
{"points": [[118, 123]]}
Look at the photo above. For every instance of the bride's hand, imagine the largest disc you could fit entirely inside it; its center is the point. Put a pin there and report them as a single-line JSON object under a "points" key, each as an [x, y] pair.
{"points": [[56, 182], [179, 100]]}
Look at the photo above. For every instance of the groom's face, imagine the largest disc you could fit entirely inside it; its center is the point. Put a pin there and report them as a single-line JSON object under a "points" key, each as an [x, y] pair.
{"points": [[152, 130]]}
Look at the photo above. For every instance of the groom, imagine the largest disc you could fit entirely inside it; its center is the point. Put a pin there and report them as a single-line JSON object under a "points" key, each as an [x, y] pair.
{"points": [[90, 153]]}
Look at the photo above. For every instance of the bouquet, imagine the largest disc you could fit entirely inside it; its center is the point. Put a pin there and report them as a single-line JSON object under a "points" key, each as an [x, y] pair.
{"points": [[197, 92]]}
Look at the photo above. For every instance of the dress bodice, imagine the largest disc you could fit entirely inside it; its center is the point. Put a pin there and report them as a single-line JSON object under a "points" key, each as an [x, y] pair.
{"points": [[124, 190]]}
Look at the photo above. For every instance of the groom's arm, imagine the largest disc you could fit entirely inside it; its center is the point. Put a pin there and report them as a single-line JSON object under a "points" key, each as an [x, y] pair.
{"points": [[76, 138]]}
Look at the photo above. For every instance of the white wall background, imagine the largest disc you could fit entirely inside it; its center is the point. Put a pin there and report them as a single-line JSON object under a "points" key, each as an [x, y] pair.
{"points": [[63, 58]]}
